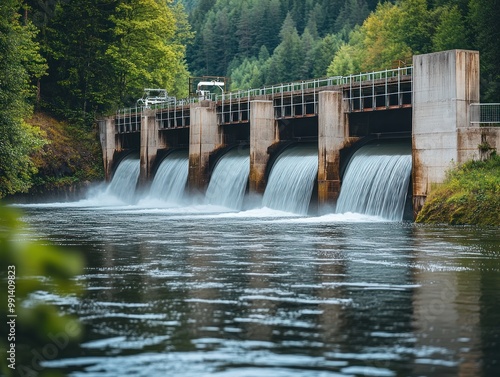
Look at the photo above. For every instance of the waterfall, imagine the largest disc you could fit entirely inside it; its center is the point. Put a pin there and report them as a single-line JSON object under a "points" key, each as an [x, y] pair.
{"points": [[376, 181], [291, 180], [171, 178], [124, 180], [229, 179]]}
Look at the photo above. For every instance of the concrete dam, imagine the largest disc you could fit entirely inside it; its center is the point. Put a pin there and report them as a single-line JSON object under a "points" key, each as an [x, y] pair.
{"points": [[373, 143]]}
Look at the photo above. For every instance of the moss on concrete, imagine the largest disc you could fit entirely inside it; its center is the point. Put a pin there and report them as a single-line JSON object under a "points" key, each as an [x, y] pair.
{"points": [[469, 196]]}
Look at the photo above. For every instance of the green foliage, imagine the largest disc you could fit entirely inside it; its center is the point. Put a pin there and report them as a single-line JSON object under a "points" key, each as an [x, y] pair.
{"points": [[124, 47], [470, 195], [227, 30], [71, 158], [450, 30], [36, 267], [484, 16], [80, 73], [144, 50], [20, 64]]}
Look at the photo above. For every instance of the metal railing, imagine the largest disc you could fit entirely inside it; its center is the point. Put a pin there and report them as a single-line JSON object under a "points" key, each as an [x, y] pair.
{"points": [[307, 85], [307, 90], [485, 114], [174, 114], [128, 120]]}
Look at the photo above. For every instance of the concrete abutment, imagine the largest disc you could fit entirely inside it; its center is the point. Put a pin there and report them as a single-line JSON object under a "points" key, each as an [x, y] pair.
{"points": [[444, 85]]}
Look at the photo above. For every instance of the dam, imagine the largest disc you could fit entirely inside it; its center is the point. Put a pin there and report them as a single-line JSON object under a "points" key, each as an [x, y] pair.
{"points": [[387, 137]]}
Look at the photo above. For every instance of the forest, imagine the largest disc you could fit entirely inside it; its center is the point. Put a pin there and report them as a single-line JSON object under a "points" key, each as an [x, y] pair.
{"points": [[78, 61]]}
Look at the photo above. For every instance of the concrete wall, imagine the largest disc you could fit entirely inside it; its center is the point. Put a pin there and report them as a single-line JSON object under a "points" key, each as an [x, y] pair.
{"points": [[477, 143], [263, 134], [444, 85], [205, 136], [333, 135]]}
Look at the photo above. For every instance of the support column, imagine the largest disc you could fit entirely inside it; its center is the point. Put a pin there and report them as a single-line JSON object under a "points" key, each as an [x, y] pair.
{"points": [[150, 143], [205, 136], [444, 85], [333, 134], [263, 134], [107, 135]]}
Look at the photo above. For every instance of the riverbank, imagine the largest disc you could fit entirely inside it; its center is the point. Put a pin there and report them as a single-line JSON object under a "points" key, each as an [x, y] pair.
{"points": [[469, 196], [67, 164]]}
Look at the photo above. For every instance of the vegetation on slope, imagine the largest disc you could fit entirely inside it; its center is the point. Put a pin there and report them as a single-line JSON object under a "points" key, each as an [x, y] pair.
{"points": [[70, 158], [470, 195]]}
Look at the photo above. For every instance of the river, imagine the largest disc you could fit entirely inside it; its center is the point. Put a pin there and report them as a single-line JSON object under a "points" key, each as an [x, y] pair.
{"points": [[194, 292]]}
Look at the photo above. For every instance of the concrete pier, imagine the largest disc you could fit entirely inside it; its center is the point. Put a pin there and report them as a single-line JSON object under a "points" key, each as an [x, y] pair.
{"points": [[107, 134], [333, 134], [205, 136], [444, 85], [150, 143], [263, 134]]}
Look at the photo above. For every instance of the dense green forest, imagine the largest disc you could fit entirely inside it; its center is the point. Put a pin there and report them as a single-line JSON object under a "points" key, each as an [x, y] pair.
{"points": [[78, 60], [257, 42]]}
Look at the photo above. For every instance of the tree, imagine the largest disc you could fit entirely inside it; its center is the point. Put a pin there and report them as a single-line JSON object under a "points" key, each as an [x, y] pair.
{"points": [[80, 72], [353, 13], [383, 37], [323, 54], [287, 60], [450, 31], [20, 65], [144, 51], [416, 25], [484, 16]]}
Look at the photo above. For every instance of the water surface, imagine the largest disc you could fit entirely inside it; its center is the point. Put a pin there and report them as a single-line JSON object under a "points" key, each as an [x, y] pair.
{"points": [[188, 292]]}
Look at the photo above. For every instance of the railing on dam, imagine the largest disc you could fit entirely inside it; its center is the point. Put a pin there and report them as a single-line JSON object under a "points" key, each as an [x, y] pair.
{"points": [[485, 114], [363, 91]]}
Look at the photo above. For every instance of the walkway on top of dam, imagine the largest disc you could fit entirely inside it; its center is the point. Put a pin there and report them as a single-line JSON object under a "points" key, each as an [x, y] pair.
{"points": [[381, 90]]}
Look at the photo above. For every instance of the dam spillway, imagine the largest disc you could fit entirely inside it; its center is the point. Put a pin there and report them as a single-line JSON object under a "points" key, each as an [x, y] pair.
{"points": [[376, 181], [335, 113], [291, 180], [229, 180]]}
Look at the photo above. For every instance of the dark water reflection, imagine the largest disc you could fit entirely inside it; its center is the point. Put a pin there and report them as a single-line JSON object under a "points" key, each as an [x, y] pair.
{"points": [[168, 294]]}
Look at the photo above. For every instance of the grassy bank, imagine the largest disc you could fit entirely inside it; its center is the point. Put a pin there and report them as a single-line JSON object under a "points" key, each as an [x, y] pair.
{"points": [[70, 159], [470, 195]]}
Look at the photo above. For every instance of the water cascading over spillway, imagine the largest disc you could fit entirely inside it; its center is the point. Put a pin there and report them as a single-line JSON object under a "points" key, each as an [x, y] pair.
{"points": [[124, 180], [171, 178], [291, 180], [229, 179], [376, 181]]}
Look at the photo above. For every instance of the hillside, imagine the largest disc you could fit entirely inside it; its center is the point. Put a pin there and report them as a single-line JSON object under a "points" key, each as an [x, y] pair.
{"points": [[70, 160]]}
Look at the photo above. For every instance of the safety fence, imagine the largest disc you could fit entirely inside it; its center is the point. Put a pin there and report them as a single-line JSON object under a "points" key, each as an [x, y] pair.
{"points": [[374, 90], [485, 114]]}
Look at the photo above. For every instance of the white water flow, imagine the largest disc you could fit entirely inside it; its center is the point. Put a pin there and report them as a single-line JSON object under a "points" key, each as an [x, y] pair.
{"points": [[124, 180], [376, 181], [229, 180], [291, 180], [171, 178]]}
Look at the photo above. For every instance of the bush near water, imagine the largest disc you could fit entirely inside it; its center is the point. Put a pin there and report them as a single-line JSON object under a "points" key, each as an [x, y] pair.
{"points": [[470, 195]]}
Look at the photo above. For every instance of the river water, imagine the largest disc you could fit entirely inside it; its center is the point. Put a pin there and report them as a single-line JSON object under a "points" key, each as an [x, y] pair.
{"points": [[194, 291]]}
